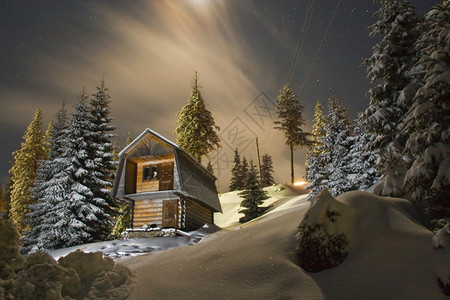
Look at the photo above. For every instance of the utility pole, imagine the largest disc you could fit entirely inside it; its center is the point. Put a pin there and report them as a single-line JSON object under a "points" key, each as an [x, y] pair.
{"points": [[259, 159]]}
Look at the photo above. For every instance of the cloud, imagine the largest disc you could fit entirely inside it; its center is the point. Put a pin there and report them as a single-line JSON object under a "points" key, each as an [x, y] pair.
{"points": [[148, 54]]}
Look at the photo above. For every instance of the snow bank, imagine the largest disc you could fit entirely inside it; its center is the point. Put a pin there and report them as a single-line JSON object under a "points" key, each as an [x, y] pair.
{"points": [[39, 276], [390, 256], [379, 234], [321, 241], [231, 203]]}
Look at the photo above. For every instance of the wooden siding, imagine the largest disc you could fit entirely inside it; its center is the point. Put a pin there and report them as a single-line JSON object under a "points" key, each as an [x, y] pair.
{"points": [[197, 214], [165, 169]]}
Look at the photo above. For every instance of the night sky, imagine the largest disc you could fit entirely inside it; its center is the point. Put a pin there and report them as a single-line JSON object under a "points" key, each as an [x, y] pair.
{"points": [[147, 51]]}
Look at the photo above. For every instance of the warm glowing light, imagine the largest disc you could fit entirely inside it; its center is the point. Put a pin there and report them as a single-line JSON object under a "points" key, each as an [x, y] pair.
{"points": [[300, 183]]}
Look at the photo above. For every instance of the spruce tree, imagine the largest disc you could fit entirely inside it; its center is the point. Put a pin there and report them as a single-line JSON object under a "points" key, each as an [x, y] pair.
{"points": [[244, 171], [428, 120], [94, 211], [236, 173], [123, 220], [289, 113], [253, 195], [101, 154], [48, 190], [267, 171], [312, 158], [47, 138], [362, 172], [337, 146], [196, 129], [23, 172], [390, 66]]}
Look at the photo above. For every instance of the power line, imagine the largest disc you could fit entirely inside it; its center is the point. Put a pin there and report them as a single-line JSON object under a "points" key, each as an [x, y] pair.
{"points": [[301, 39], [320, 47]]}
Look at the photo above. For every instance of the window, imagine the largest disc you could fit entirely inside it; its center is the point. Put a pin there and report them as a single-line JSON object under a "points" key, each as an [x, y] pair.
{"points": [[150, 173]]}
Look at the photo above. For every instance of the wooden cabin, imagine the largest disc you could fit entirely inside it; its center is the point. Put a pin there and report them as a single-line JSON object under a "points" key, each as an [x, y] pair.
{"points": [[166, 187]]}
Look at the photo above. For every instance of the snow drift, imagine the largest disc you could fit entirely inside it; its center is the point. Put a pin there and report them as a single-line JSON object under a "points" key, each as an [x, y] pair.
{"points": [[390, 256], [39, 276]]}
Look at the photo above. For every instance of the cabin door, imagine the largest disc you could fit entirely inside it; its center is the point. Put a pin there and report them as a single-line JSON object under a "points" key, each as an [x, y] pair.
{"points": [[170, 213], [166, 178]]}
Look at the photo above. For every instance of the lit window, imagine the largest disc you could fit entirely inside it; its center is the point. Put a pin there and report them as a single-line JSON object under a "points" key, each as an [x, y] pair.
{"points": [[150, 173]]}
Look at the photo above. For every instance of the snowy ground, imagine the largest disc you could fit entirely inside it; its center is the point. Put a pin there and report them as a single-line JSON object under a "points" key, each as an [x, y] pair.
{"points": [[390, 255], [137, 246]]}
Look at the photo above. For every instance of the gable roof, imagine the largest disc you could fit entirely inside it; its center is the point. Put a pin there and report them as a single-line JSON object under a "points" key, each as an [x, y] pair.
{"points": [[196, 181], [136, 141]]}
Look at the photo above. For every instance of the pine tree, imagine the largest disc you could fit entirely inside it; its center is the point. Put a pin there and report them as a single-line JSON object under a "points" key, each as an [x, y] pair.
{"points": [[236, 181], [47, 138], [312, 158], [48, 189], [23, 172], [244, 171], [427, 180], [253, 195], [267, 171], [101, 154], [289, 113], [72, 214], [94, 211], [123, 221], [390, 65], [196, 129], [362, 172], [337, 146]]}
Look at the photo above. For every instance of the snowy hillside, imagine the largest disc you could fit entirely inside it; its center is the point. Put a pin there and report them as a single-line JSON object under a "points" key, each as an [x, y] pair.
{"points": [[390, 256]]}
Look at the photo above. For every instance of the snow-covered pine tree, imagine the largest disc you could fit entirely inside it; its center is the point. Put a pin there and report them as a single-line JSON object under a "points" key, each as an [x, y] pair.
{"points": [[390, 65], [337, 146], [362, 172], [93, 211], [236, 181], [253, 195], [428, 120], [244, 172], [313, 165], [23, 172], [101, 153], [290, 122], [196, 129], [48, 189], [267, 171]]}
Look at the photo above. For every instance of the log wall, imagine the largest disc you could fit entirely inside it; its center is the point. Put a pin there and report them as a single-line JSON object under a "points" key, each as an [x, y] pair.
{"points": [[147, 212], [197, 214]]}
